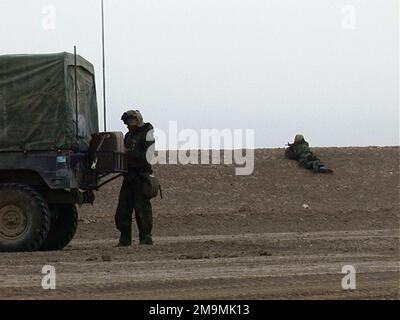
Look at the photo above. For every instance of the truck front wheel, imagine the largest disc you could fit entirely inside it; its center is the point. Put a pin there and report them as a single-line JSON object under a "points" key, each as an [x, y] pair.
{"points": [[64, 222], [24, 218]]}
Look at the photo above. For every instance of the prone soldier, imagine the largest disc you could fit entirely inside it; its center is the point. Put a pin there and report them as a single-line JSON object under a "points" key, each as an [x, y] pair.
{"points": [[300, 151]]}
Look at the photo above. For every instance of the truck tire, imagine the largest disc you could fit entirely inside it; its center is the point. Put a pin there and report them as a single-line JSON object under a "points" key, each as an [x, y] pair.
{"points": [[64, 222], [24, 218]]}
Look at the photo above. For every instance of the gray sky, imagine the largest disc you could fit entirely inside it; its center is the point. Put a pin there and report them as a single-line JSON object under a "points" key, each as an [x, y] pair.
{"points": [[278, 66]]}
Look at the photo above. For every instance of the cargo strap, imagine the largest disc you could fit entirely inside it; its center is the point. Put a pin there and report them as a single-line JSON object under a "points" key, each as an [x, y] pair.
{"points": [[109, 180], [94, 164]]}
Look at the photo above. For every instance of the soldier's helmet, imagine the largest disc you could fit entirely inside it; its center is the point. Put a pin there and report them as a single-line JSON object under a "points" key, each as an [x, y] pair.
{"points": [[299, 138], [132, 114]]}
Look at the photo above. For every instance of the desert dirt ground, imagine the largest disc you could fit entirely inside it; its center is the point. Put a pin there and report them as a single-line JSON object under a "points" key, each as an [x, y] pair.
{"points": [[220, 236]]}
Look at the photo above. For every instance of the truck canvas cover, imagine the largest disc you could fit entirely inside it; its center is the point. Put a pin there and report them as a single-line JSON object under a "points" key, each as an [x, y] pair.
{"points": [[37, 103]]}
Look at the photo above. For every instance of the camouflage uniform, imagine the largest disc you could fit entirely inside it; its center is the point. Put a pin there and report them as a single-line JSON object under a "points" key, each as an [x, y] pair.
{"points": [[300, 151], [131, 196]]}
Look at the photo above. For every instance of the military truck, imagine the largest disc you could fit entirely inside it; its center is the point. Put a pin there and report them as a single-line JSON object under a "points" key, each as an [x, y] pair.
{"points": [[52, 156]]}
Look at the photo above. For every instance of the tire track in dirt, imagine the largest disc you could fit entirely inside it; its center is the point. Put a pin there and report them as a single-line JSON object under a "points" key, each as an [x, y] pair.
{"points": [[196, 270], [284, 236], [163, 277], [163, 281]]}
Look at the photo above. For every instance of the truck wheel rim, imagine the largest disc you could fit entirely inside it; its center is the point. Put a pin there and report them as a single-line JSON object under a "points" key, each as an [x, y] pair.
{"points": [[13, 222]]}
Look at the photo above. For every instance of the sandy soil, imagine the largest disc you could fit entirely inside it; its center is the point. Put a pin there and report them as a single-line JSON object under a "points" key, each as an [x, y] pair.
{"points": [[219, 236]]}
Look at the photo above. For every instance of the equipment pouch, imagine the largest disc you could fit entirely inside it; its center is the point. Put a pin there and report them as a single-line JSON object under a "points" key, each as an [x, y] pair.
{"points": [[151, 185]]}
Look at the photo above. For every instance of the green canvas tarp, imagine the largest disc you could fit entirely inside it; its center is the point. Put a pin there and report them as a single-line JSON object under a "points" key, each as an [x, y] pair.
{"points": [[37, 103]]}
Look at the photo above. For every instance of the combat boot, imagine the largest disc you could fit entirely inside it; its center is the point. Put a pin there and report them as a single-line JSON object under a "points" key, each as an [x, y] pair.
{"points": [[145, 240], [125, 239], [324, 169]]}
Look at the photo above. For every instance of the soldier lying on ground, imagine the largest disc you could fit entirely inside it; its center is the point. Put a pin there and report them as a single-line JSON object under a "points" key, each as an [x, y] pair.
{"points": [[300, 151]]}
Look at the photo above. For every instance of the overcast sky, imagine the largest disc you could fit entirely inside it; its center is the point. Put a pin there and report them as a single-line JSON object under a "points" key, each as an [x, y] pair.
{"points": [[325, 68]]}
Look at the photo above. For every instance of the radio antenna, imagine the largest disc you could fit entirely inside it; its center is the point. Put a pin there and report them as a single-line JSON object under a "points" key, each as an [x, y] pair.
{"points": [[104, 66], [76, 95]]}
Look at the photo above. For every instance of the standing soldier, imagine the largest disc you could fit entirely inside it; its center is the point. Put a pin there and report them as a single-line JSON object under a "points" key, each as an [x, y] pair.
{"points": [[133, 195], [300, 151]]}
